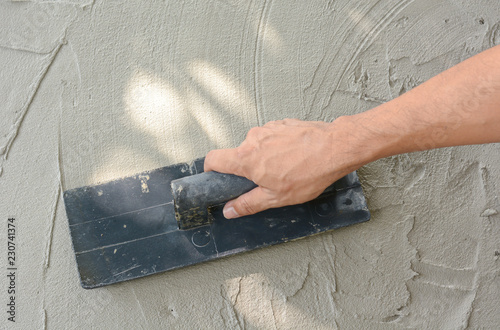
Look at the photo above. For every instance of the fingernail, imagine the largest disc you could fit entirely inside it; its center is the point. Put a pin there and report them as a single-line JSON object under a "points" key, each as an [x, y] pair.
{"points": [[230, 213]]}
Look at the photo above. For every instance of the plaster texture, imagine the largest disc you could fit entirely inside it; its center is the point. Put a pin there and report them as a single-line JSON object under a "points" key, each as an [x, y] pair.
{"points": [[96, 90]]}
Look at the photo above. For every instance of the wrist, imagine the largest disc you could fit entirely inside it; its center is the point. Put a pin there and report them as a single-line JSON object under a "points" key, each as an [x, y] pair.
{"points": [[366, 139]]}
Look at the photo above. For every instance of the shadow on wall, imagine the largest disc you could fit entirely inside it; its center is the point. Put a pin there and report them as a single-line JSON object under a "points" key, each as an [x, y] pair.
{"points": [[169, 91], [192, 77]]}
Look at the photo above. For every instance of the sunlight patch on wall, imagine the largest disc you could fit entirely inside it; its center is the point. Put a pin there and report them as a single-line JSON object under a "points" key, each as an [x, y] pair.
{"points": [[221, 86], [216, 126], [246, 297], [361, 20], [153, 104], [273, 42], [119, 163]]}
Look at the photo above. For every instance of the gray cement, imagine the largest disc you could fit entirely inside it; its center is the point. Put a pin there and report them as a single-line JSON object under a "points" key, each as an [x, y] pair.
{"points": [[95, 90]]}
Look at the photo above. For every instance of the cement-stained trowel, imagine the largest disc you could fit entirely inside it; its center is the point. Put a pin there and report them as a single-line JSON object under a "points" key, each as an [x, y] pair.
{"points": [[171, 217]]}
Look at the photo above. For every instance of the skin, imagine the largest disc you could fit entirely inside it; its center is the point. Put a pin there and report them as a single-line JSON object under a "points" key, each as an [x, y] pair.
{"points": [[457, 107]]}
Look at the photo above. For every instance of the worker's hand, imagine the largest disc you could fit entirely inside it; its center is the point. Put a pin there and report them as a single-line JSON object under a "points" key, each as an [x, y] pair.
{"points": [[291, 161]]}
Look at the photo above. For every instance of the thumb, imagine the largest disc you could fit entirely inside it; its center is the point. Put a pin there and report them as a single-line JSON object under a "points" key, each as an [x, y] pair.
{"points": [[252, 202]]}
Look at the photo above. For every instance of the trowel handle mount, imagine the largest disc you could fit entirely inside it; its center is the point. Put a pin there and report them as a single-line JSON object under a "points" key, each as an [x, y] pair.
{"points": [[194, 194]]}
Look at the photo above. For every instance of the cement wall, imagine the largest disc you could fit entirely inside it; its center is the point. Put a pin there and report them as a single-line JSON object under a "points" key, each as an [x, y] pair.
{"points": [[95, 90]]}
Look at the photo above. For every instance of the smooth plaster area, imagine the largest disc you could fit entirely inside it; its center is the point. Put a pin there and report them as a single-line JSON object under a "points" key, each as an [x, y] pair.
{"points": [[95, 90]]}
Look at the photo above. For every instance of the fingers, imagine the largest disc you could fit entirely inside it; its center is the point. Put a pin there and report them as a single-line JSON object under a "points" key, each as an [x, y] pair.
{"points": [[254, 201], [223, 161], [226, 161]]}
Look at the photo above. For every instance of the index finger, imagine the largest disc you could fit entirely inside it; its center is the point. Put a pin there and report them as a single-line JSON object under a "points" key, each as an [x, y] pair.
{"points": [[223, 161]]}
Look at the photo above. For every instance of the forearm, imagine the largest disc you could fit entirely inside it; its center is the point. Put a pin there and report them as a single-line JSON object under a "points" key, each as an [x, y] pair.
{"points": [[457, 107]]}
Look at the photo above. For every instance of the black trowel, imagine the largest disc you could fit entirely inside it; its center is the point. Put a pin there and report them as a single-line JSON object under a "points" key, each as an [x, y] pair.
{"points": [[171, 217]]}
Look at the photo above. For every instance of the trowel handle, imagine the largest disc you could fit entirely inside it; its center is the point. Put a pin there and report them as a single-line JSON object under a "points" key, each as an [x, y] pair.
{"points": [[212, 188], [194, 194]]}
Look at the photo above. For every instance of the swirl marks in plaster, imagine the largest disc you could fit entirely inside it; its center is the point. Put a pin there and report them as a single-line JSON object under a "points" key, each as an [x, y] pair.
{"points": [[369, 33], [436, 28], [258, 56], [492, 37]]}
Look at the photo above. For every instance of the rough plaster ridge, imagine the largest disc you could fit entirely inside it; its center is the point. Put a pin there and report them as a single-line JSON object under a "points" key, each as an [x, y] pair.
{"points": [[33, 27], [444, 276], [22, 49], [369, 38], [140, 308], [229, 293], [408, 225], [50, 232], [450, 19], [330, 252], [306, 277], [21, 113], [327, 70], [489, 212], [489, 190], [258, 55], [80, 3]]}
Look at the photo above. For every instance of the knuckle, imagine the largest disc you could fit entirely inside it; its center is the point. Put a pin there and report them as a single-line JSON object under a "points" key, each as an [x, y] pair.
{"points": [[209, 155], [209, 159], [253, 132], [243, 152], [245, 207], [274, 123], [256, 135], [234, 168]]}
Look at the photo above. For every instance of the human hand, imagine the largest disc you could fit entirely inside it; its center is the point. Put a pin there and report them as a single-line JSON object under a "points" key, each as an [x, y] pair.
{"points": [[291, 161]]}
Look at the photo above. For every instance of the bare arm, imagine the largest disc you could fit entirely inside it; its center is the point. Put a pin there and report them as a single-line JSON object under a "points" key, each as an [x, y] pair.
{"points": [[457, 107], [293, 161]]}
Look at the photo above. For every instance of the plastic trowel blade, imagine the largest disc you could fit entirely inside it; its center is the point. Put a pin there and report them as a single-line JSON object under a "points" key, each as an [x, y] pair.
{"points": [[126, 228]]}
